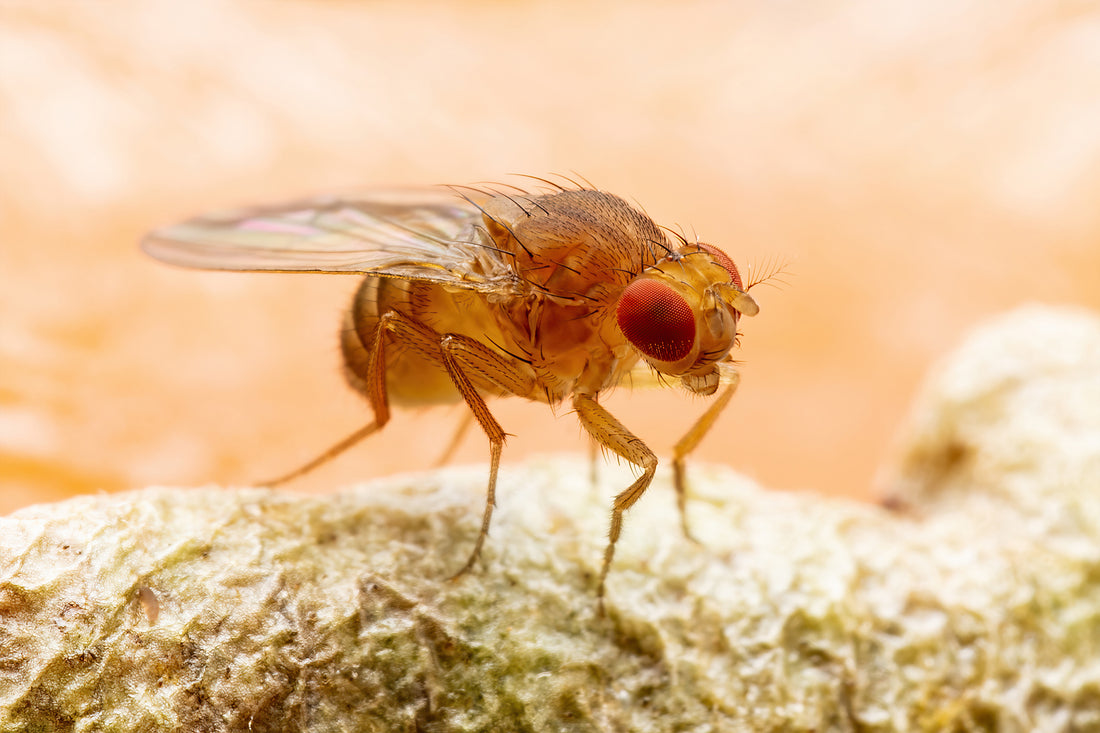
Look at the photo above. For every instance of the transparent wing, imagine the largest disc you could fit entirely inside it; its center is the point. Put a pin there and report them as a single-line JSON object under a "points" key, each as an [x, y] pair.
{"points": [[417, 234]]}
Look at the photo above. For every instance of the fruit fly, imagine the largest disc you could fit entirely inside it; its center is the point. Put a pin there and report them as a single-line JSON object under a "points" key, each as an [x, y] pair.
{"points": [[471, 293]]}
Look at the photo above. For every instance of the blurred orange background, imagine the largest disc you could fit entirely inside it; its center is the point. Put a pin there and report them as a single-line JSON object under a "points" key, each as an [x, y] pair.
{"points": [[918, 166]]}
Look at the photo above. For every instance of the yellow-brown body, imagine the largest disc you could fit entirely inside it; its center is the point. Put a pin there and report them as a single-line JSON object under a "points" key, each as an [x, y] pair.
{"points": [[575, 264], [549, 297]]}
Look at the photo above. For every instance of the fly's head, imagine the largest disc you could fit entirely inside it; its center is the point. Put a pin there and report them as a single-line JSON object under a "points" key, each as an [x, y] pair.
{"points": [[681, 314]]}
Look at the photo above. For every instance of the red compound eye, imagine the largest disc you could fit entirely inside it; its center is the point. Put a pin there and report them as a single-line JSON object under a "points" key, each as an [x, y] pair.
{"points": [[724, 260], [657, 320]]}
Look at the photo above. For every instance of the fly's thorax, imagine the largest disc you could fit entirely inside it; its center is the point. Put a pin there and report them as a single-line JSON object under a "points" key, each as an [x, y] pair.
{"points": [[682, 313], [574, 243], [572, 347]]}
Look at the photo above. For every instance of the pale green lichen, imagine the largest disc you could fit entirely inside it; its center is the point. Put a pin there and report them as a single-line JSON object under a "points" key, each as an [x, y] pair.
{"points": [[977, 607]]}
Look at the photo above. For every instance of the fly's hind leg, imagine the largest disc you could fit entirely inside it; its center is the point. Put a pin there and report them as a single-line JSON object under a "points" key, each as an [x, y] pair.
{"points": [[689, 442], [463, 357], [325, 457], [605, 428], [391, 325]]}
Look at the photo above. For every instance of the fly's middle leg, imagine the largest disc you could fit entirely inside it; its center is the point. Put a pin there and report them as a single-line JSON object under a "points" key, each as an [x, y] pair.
{"points": [[463, 357]]}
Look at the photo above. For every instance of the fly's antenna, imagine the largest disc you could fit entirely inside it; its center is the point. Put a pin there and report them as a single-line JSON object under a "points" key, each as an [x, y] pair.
{"points": [[770, 272]]}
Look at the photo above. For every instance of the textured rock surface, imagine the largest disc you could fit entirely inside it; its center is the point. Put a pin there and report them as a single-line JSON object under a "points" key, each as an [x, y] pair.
{"points": [[977, 607]]}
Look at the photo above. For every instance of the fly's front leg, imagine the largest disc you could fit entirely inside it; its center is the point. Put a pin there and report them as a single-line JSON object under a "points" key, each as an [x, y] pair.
{"points": [[604, 427], [691, 439], [464, 357]]}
